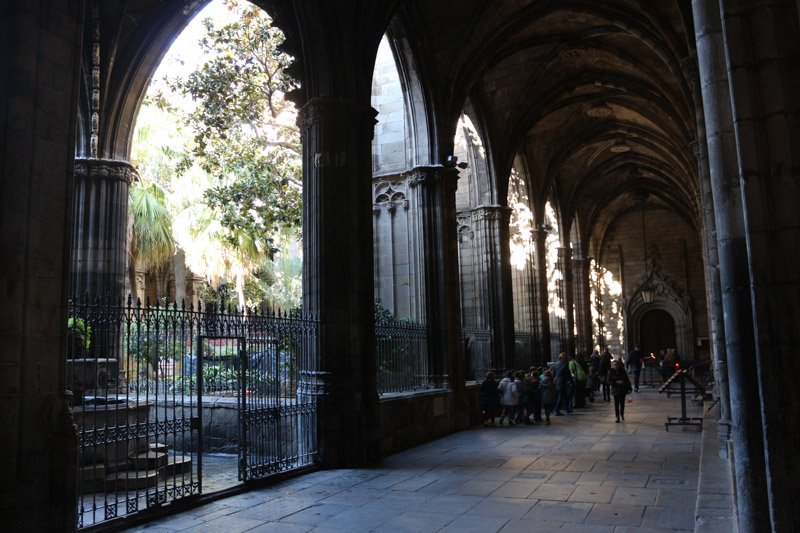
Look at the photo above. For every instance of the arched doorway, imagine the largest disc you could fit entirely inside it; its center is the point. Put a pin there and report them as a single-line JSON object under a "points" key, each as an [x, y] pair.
{"points": [[656, 331]]}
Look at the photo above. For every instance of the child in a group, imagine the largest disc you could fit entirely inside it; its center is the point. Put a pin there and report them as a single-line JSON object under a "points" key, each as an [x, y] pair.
{"points": [[548, 389]]}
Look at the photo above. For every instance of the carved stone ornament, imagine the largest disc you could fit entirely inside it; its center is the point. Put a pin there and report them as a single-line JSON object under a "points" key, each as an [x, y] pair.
{"points": [[493, 213], [464, 229], [105, 169], [428, 175], [336, 111]]}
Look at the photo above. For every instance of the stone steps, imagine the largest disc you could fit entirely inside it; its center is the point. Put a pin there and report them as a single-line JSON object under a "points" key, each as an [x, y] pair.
{"points": [[148, 460]]}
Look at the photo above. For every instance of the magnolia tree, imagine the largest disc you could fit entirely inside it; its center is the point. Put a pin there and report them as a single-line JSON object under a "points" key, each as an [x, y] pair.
{"points": [[231, 164]]}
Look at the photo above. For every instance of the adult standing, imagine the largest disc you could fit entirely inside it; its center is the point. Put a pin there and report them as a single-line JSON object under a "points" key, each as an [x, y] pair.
{"points": [[490, 399], [594, 360], [620, 386], [634, 364], [509, 397], [602, 373], [578, 373], [563, 380]]}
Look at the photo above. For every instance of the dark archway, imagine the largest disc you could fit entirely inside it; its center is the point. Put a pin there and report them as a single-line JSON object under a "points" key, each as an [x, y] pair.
{"points": [[656, 331]]}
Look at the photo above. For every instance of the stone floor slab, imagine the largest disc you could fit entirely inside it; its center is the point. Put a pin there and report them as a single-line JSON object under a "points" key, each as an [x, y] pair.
{"points": [[581, 474]]}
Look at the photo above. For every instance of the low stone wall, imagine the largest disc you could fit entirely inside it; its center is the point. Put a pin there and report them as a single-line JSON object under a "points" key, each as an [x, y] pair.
{"points": [[415, 418]]}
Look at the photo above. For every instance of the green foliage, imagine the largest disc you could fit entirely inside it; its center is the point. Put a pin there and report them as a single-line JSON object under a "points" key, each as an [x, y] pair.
{"points": [[79, 335], [242, 135], [152, 240]]}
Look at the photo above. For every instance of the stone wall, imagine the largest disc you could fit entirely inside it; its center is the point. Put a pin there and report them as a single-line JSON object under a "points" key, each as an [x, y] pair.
{"points": [[675, 262], [389, 150], [413, 419], [39, 61]]}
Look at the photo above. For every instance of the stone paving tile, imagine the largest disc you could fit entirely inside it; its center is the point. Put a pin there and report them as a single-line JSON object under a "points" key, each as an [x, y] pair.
{"points": [[398, 501], [581, 465], [550, 511], [416, 522], [279, 527], [228, 524], [272, 510], [474, 524], [356, 520], [564, 478], [316, 514], [677, 498], [627, 480], [516, 489], [502, 507], [622, 529], [592, 494], [498, 474], [615, 514], [634, 496], [669, 517], [586, 528], [528, 526], [581, 474], [451, 503], [550, 491], [591, 478], [355, 497], [476, 487]]}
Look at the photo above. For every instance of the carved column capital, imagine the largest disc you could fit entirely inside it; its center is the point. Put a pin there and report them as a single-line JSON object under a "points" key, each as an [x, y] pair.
{"points": [[498, 213], [335, 111], [432, 174], [690, 68], [695, 146], [107, 169]]}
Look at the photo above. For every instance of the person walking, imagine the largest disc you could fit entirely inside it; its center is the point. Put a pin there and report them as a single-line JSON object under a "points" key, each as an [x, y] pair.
{"points": [[509, 398], [490, 399], [634, 364], [602, 373], [620, 386]]}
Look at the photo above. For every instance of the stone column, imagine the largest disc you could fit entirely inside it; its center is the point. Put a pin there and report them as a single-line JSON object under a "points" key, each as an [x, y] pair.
{"points": [[99, 231], [541, 303], [711, 259], [338, 277], [490, 223], [38, 95], [763, 62], [432, 197], [568, 334], [746, 435], [583, 306]]}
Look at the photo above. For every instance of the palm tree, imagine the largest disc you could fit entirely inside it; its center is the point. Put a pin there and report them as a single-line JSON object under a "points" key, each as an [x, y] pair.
{"points": [[151, 243]]}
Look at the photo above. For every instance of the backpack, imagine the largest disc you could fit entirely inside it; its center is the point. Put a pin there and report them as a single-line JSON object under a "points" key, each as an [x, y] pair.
{"points": [[576, 369]]}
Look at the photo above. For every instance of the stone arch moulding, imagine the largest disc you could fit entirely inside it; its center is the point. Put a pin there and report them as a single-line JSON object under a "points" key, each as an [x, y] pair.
{"points": [[670, 299]]}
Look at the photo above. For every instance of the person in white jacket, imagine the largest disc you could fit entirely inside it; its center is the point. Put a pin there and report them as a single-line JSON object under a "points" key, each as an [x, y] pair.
{"points": [[510, 394]]}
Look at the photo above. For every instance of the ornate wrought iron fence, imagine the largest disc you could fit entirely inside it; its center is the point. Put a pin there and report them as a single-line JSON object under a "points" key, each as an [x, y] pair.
{"points": [[402, 350], [477, 345], [139, 375]]}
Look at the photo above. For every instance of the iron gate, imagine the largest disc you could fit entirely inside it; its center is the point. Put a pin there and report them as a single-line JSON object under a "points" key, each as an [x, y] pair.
{"points": [[141, 378]]}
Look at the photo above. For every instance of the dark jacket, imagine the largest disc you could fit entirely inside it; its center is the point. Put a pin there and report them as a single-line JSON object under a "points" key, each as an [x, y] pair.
{"points": [[595, 360], [635, 359], [614, 378], [548, 391], [490, 396], [561, 374], [605, 364]]}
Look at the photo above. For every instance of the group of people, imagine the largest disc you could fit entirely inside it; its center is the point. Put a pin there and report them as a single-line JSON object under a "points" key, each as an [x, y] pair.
{"points": [[521, 397]]}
